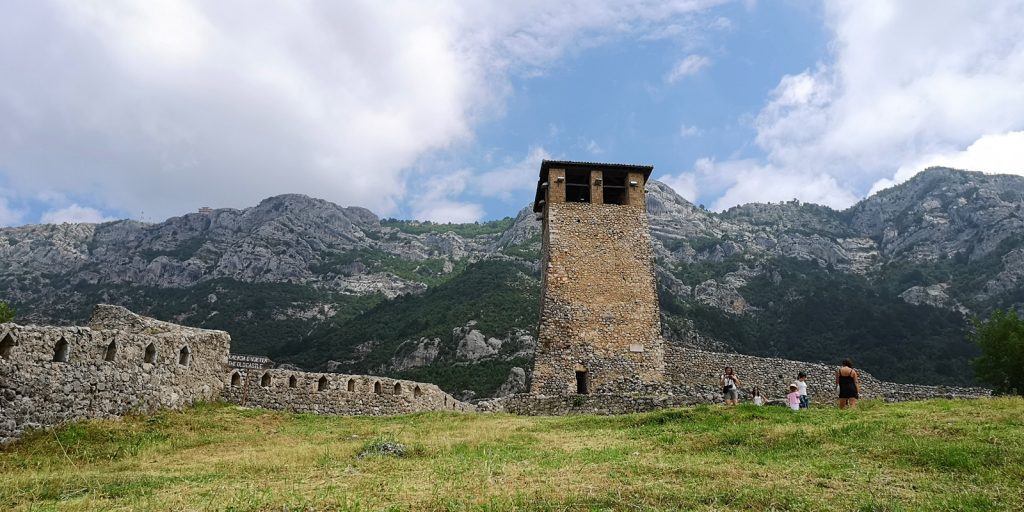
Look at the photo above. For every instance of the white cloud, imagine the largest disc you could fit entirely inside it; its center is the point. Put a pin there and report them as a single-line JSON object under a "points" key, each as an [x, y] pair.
{"points": [[689, 65], [1002, 154], [685, 184], [910, 83], [433, 200], [168, 105], [764, 184], [689, 131], [74, 213], [9, 216], [594, 148], [435, 197], [512, 177]]}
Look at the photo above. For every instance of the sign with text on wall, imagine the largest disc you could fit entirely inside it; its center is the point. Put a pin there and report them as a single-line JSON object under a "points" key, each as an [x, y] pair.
{"points": [[249, 361]]}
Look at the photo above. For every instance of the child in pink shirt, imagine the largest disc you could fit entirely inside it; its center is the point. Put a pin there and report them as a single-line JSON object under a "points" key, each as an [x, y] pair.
{"points": [[793, 398]]}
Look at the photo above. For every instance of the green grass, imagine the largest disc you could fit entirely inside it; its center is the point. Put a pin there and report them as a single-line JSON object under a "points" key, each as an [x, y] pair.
{"points": [[936, 455]]}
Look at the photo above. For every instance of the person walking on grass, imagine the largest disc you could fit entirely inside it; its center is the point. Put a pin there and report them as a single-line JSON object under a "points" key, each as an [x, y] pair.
{"points": [[793, 398], [801, 388], [848, 382], [730, 386]]}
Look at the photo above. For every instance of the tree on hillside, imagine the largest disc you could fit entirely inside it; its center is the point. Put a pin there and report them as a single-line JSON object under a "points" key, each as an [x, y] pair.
{"points": [[6, 312], [1001, 364]]}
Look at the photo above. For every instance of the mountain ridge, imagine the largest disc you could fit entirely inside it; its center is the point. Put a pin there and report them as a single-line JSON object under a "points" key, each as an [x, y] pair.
{"points": [[289, 276]]}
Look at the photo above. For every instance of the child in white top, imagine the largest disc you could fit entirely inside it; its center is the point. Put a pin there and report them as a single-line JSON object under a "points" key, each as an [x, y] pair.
{"points": [[793, 398], [758, 399], [801, 388]]}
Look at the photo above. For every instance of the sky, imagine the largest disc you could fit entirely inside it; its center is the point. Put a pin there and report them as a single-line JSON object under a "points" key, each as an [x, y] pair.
{"points": [[443, 110]]}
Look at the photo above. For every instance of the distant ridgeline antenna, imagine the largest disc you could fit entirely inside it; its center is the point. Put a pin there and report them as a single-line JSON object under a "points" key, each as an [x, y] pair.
{"points": [[600, 330]]}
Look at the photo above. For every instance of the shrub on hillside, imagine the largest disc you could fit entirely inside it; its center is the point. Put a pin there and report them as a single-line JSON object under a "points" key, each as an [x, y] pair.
{"points": [[6, 312]]}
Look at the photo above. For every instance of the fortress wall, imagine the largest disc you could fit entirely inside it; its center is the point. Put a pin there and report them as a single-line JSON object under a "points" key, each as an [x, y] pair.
{"points": [[332, 393], [38, 391], [690, 369], [124, 363], [692, 377]]}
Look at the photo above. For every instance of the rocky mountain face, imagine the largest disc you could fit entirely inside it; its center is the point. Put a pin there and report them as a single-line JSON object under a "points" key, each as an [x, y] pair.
{"points": [[890, 281]]}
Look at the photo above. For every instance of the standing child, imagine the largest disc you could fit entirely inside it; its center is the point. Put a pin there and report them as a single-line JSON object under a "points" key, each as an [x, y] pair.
{"points": [[801, 387], [793, 398], [758, 399]]}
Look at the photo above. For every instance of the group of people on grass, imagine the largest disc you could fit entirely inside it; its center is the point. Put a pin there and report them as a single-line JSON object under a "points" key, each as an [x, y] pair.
{"points": [[847, 386]]}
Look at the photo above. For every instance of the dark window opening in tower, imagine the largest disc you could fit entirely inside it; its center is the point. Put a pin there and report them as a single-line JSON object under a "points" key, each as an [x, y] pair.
{"points": [[577, 186], [581, 382], [614, 189]]}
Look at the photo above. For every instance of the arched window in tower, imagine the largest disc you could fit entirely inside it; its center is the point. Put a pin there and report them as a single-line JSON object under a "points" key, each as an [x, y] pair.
{"points": [[150, 356], [321, 385], [265, 381], [61, 351], [236, 379], [111, 352], [184, 356], [7, 346]]}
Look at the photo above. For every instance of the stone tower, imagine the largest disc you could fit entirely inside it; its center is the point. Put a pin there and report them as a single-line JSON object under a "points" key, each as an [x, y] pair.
{"points": [[600, 330]]}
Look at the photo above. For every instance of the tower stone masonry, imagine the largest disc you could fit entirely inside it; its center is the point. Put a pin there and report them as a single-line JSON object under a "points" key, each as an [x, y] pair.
{"points": [[600, 329]]}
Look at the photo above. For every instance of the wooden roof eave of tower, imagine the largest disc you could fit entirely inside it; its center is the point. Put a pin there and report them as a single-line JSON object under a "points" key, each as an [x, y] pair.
{"points": [[546, 165]]}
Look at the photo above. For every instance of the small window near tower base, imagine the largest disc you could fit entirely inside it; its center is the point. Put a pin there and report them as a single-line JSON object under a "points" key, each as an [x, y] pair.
{"points": [[581, 383]]}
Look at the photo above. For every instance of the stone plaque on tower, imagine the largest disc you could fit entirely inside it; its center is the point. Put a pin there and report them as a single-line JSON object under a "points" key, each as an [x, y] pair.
{"points": [[600, 330]]}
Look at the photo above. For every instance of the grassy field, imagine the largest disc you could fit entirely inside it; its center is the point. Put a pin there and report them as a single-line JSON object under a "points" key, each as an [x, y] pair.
{"points": [[937, 455]]}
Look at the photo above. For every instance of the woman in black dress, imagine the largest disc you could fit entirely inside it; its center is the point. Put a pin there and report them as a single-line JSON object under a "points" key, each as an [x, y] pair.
{"points": [[849, 385]]}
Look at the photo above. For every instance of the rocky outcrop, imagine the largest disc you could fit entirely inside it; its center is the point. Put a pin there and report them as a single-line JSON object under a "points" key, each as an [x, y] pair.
{"points": [[423, 353], [514, 384], [472, 345], [935, 295]]}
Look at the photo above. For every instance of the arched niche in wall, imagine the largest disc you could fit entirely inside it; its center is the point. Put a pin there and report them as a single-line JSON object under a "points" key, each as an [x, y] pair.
{"points": [[293, 382], [398, 388], [236, 379], [61, 351], [7, 346], [321, 384], [110, 354], [376, 388], [150, 355], [417, 392], [266, 380], [184, 356], [351, 385]]}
